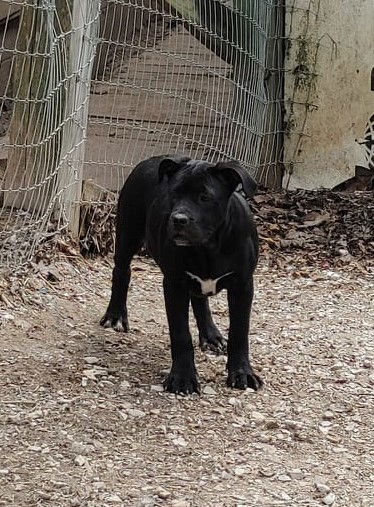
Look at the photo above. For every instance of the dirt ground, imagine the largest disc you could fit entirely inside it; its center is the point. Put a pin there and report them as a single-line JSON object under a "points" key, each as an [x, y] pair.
{"points": [[84, 421]]}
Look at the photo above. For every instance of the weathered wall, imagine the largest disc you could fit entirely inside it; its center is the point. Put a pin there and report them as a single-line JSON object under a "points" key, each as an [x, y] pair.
{"points": [[329, 66]]}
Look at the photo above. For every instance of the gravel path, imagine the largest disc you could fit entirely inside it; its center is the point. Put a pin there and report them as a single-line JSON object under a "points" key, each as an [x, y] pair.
{"points": [[84, 421]]}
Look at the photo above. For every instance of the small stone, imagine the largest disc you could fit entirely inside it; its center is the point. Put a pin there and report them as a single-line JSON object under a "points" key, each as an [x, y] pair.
{"points": [[124, 385], [7, 316], [80, 460], [343, 252], [98, 486], [113, 499], [257, 417], [266, 473], [335, 439], [329, 499], [91, 360], [78, 448], [74, 334], [35, 448], [180, 441], [234, 401], [325, 424], [296, 474], [134, 412], [125, 405], [123, 414], [158, 388], [209, 390], [162, 493], [367, 363], [84, 382], [337, 366], [240, 471], [43, 495], [293, 425], [272, 424], [324, 430], [284, 478], [94, 372], [328, 415], [4, 471], [264, 438], [284, 496], [147, 501], [322, 488], [248, 391], [180, 503]]}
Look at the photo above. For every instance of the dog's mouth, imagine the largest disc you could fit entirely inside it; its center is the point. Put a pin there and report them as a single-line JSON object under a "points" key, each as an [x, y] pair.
{"points": [[182, 239], [179, 240], [185, 236]]}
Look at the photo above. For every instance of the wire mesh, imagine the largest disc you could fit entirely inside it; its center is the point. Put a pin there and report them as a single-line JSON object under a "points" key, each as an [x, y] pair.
{"points": [[199, 77], [46, 55]]}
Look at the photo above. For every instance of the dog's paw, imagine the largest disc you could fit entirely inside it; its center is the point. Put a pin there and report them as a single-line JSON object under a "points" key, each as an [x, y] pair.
{"points": [[117, 322], [182, 383], [242, 378], [213, 341]]}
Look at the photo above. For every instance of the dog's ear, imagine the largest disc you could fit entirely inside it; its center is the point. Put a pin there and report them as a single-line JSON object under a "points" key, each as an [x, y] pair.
{"points": [[234, 175], [170, 165]]}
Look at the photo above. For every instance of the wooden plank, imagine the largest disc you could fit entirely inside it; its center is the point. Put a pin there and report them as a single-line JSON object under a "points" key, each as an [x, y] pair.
{"points": [[181, 108], [102, 138], [8, 11], [159, 107], [112, 152]]}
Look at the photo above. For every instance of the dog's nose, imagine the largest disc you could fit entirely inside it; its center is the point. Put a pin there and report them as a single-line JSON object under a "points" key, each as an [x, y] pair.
{"points": [[180, 219]]}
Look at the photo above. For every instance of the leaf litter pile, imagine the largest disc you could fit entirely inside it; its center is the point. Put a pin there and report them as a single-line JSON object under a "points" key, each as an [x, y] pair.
{"points": [[84, 420], [335, 226]]}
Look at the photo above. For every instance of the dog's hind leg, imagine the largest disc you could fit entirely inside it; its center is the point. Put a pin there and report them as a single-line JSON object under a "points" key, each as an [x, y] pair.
{"points": [[130, 232], [210, 337]]}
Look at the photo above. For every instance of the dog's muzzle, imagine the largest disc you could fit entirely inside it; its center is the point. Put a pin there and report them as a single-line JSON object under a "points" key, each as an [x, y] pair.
{"points": [[180, 225]]}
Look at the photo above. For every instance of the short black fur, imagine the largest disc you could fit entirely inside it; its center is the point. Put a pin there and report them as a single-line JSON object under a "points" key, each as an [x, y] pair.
{"points": [[201, 233]]}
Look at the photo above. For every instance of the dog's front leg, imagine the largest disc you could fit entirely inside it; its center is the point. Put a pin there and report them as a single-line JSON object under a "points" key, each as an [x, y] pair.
{"points": [[240, 373], [182, 378]]}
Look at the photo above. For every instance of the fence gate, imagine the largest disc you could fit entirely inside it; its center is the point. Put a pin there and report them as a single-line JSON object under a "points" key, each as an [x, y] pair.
{"points": [[201, 77]]}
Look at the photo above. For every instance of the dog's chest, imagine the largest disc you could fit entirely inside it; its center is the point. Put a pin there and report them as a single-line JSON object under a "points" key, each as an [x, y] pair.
{"points": [[208, 286]]}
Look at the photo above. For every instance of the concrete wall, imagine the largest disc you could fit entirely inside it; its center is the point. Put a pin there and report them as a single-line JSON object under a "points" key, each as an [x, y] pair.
{"points": [[329, 68]]}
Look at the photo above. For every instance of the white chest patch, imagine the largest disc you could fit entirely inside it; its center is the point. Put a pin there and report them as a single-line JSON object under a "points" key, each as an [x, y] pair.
{"points": [[209, 286]]}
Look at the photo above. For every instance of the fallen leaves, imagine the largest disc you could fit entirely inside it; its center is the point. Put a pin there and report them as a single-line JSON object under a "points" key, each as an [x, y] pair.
{"points": [[317, 225]]}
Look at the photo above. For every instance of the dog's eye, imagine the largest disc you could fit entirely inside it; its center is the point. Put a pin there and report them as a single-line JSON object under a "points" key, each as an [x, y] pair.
{"points": [[204, 197]]}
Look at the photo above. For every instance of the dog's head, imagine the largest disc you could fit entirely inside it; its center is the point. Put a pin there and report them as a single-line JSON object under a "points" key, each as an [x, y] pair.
{"points": [[199, 193]]}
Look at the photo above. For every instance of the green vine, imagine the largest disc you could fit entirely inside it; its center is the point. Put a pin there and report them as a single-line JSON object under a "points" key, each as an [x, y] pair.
{"points": [[305, 78]]}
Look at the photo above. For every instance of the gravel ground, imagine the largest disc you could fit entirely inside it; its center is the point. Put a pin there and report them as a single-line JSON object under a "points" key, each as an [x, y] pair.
{"points": [[84, 421]]}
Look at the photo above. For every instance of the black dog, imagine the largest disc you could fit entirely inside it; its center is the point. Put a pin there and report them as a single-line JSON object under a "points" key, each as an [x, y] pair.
{"points": [[201, 233]]}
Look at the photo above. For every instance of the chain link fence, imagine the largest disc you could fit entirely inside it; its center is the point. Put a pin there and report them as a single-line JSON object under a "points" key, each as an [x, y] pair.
{"points": [[90, 88], [46, 57]]}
